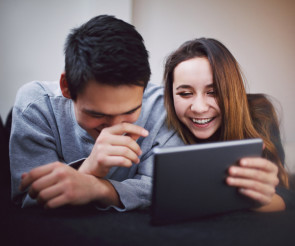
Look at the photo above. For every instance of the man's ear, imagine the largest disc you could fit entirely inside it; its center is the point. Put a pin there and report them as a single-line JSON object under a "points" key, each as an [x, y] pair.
{"points": [[64, 86]]}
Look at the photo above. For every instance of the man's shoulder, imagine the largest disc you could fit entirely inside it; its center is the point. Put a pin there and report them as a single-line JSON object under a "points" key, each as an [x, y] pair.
{"points": [[153, 101], [154, 90], [153, 112], [37, 88], [36, 92]]}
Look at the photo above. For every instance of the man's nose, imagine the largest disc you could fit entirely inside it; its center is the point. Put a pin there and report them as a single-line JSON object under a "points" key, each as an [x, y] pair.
{"points": [[114, 120]]}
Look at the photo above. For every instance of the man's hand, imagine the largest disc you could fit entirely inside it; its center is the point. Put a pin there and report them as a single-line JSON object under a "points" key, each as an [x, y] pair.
{"points": [[57, 184], [115, 146], [255, 178]]}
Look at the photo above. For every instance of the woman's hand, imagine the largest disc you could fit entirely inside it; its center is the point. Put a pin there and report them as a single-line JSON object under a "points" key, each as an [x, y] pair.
{"points": [[257, 179]]}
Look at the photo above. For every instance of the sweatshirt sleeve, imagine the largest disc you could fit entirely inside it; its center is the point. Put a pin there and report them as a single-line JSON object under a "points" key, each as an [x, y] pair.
{"points": [[32, 140], [31, 145], [42, 132]]}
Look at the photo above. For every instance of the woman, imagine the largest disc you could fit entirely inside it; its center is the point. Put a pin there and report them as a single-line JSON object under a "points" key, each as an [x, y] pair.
{"points": [[206, 101]]}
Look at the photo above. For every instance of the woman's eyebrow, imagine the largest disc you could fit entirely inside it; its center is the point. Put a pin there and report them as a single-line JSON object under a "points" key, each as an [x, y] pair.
{"points": [[183, 87], [210, 86]]}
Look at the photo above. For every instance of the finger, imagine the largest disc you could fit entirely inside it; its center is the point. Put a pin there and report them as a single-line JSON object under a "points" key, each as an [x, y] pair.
{"points": [[42, 183], [62, 200], [249, 184], [260, 163], [115, 140], [261, 198], [125, 152], [49, 193], [128, 129], [56, 202], [134, 136], [24, 175], [105, 163], [112, 161], [34, 174], [263, 146], [254, 174], [59, 196]]}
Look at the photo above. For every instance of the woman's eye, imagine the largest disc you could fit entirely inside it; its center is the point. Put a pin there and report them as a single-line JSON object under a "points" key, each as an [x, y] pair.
{"points": [[212, 92], [184, 94]]}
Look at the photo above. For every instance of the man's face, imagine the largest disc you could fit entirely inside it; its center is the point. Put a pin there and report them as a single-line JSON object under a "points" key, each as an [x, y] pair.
{"points": [[101, 106]]}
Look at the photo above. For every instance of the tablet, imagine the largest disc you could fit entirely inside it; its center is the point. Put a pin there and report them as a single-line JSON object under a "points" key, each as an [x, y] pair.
{"points": [[189, 181]]}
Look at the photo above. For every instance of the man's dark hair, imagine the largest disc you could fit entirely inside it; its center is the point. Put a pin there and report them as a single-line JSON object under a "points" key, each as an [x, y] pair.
{"points": [[106, 50]]}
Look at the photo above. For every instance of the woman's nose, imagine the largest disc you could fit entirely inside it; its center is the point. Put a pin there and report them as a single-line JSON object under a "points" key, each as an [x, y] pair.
{"points": [[199, 105]]}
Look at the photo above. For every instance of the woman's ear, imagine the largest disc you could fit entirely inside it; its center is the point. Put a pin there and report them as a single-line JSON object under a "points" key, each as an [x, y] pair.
{"points": [[64, 86]]}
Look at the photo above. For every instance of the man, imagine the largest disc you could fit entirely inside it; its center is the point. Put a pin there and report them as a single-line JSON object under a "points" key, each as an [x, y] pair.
{"points": [[101, 119]]}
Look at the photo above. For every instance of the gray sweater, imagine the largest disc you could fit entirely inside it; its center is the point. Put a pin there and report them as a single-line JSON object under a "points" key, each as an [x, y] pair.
{"points": [[44, 130]]}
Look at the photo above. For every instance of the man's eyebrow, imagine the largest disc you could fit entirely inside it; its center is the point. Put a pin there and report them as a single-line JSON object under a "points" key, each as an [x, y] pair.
{"points": [[95, 113], [133, 110]]}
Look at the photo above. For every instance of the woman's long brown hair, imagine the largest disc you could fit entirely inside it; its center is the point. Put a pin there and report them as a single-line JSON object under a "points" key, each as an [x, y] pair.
{"points": [[239, 121]]}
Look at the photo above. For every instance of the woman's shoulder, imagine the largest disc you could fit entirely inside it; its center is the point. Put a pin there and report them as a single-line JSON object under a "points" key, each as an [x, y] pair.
{"points": [[265, 120]]}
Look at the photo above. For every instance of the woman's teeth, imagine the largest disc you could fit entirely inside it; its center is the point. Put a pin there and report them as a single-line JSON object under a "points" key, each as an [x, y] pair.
{"points": [[202, 121]]}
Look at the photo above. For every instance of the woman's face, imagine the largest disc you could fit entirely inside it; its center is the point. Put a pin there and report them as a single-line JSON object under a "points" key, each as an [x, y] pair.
{"points": [[194, 97]]}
